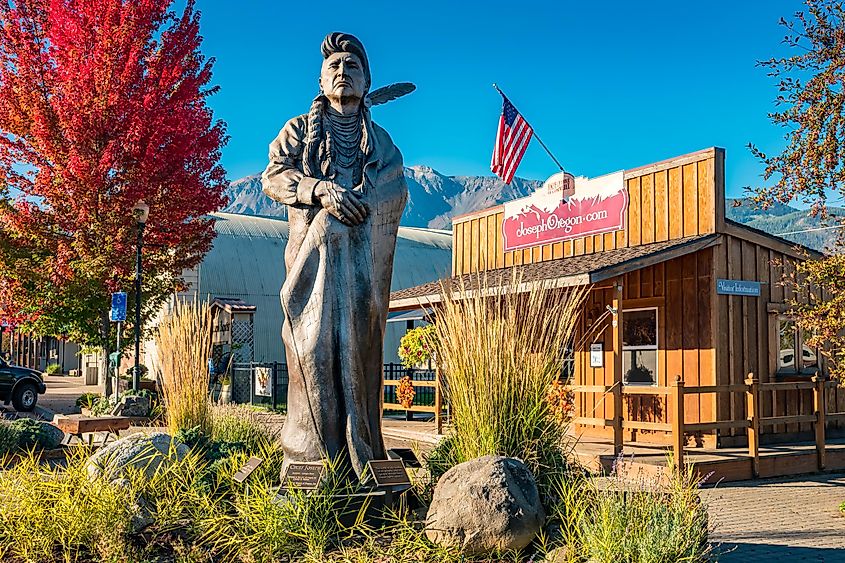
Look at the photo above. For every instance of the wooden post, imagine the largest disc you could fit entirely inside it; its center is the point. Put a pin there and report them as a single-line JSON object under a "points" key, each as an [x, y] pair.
{"points": [[617, 368], [678, 440], [753, 412], [819, 405], [438, 400]]}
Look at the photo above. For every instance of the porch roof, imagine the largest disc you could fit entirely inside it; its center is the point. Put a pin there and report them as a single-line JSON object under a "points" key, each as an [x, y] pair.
{"points": [[566, 272]]}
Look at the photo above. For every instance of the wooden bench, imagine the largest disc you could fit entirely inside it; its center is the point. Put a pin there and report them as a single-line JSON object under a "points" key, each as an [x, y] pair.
{"points": [[76, 425]]}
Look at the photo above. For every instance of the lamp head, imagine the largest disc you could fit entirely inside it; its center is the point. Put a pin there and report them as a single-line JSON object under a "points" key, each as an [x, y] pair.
{"points": [[141, 212]]}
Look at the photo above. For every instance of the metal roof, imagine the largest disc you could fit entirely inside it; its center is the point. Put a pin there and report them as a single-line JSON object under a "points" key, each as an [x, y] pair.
{"points": [[575, 270], [246, 262]]}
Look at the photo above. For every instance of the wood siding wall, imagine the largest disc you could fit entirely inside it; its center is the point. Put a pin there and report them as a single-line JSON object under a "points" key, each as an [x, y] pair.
{"points": [[682, 291], [748, 334], [673, 199]]}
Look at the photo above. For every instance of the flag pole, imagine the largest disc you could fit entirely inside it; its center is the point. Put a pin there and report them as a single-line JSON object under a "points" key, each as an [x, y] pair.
{"points": [[536, 136]]}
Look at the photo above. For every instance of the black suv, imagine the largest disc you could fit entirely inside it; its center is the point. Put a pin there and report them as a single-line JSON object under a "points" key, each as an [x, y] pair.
{"points": [[20, 385]]}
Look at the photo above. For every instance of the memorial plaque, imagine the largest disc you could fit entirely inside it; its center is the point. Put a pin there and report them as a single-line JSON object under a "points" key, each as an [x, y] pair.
{"points": [[389, 472], [304, 475], [245, 471], [405, 454]]}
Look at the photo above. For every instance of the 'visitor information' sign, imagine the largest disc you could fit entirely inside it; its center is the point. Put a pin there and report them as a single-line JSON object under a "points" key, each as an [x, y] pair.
{"points": [[554, 213], [738, 287]]}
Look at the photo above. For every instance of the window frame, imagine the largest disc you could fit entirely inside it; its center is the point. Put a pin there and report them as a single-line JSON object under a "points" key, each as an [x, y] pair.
{"points": [[800, 367], [651, 347]]}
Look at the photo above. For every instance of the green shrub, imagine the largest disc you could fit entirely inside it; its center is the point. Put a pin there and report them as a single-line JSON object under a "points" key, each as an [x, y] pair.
{"points": [[33, 434], [87, 400], [53, 369], [8, 439]]}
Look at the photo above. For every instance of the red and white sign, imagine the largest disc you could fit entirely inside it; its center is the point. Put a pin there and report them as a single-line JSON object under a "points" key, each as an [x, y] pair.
{"points": [[597, 206]]}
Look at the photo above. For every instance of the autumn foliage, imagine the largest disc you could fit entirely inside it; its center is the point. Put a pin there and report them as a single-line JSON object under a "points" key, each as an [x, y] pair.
{"points": [[102, 104], [811, 167]]}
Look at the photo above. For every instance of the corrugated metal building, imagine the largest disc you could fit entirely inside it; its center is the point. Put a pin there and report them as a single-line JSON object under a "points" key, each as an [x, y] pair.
{"points": [[247, 263]]}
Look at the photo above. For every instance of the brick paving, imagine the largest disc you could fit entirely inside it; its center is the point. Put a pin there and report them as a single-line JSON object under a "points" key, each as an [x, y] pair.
{"points": [[779, 520]]}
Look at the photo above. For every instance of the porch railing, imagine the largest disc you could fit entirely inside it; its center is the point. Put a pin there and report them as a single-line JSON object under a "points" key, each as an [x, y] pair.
{"points": [[427, 392], [753, 422]]}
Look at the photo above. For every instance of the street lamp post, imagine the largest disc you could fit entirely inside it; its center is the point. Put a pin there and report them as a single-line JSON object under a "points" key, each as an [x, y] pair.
{"points": [[142, 212]]}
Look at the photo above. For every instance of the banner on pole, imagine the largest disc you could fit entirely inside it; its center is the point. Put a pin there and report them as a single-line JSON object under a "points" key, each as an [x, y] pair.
{"points": [[555, 212], [118, 307]]}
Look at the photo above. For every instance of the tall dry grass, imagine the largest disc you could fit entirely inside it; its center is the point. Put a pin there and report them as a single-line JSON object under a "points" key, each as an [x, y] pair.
{"points": [[184, 345], [500, 349]]}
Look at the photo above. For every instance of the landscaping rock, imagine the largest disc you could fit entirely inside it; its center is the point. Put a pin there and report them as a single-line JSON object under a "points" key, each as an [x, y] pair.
{"points": [[485, 504], [142, 516], [132, 406], [142, 452]]}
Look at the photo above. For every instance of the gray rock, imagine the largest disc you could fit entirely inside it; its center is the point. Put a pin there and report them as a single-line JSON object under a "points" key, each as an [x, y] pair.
{"points": [[485, 504], [132, 406], [142, 516], [140, 452]]}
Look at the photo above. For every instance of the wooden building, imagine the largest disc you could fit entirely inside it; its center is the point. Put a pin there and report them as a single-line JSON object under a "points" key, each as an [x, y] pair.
{"points": [[686, 308]]}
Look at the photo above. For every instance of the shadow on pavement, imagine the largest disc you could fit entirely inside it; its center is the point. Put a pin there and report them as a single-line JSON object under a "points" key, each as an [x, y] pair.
{"points": [[762, 552]]}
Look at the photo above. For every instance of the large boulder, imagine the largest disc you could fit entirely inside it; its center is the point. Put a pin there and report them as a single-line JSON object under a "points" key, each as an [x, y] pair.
{"points": [[139, 452], [485, 504]]}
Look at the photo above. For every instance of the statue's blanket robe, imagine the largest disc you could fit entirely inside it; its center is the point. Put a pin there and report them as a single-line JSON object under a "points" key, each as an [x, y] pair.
{"points": [[335, 299]]}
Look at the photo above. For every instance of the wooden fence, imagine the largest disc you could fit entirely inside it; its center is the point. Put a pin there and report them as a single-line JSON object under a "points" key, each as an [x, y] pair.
{"points": [[753, 422], [436, 409]]}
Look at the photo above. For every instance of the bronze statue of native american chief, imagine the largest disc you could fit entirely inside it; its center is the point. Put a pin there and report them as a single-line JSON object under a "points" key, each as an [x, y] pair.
{"points": [[342, 179]]}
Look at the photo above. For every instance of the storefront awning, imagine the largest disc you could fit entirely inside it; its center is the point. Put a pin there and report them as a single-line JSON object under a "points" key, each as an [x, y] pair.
{"points": [[565, 272]]}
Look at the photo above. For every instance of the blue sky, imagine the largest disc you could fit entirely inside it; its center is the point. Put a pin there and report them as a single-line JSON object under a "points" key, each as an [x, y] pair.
{"points": [[606, 85]]}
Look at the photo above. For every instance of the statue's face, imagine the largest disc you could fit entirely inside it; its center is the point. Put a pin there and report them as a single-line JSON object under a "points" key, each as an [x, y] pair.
{"points": [[342, 77]]}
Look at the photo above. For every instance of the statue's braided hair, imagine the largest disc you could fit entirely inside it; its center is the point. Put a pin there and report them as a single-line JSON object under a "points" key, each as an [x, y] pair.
{"points": [[313, 138]]}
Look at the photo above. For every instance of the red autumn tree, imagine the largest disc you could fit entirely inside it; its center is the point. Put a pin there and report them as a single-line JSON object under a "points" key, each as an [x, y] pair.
{"points": [[102, 104]]}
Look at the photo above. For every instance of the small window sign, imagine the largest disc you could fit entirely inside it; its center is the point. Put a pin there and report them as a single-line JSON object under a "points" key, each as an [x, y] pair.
{"points": [[597, 355], [738, 287]]}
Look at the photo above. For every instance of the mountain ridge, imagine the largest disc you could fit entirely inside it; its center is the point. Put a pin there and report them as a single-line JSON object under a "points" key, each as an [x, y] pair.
{"points": [[435, 198]]}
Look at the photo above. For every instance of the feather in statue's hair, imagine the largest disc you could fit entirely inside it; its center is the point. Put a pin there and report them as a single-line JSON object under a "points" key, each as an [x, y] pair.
{"points": [[388, 93]]}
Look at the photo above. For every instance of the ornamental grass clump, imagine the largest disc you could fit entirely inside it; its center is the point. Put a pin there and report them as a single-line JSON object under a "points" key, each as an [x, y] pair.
{"points": [[500, 349], [641, 520], [183, 341], [60, 514]]}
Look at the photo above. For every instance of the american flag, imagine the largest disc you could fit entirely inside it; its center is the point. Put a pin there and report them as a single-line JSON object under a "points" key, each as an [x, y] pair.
{"points": [[512, 139]]}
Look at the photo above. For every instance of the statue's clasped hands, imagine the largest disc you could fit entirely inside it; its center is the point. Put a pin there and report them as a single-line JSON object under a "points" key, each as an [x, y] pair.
{"points": [[344, 204]]}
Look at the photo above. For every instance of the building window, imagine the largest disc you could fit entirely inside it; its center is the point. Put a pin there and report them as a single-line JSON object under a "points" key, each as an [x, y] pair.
{"points": [[639, 346], [788, 342], [787, 339]]}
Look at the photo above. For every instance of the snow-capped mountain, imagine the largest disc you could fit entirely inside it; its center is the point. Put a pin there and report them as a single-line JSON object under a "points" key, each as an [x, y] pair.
{"points": [[434, 198]]}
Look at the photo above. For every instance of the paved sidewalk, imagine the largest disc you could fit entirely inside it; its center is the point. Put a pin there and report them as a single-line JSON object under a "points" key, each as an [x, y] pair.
{"points": [[779, 520], [62, 392]]}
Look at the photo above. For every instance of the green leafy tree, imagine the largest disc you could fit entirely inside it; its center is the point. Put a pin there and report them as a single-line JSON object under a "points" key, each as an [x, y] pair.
{"points": [[810, 169]]}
